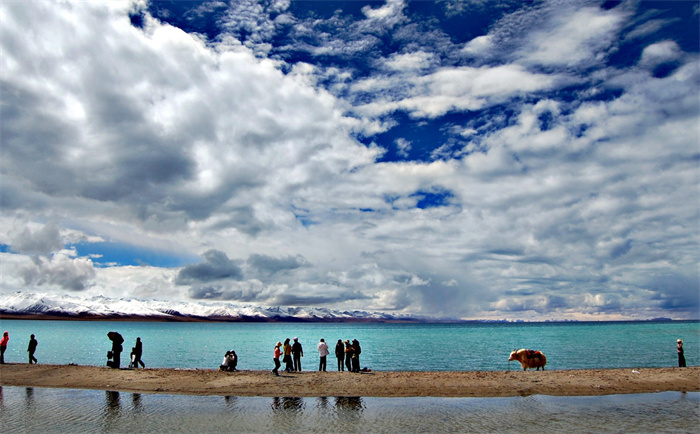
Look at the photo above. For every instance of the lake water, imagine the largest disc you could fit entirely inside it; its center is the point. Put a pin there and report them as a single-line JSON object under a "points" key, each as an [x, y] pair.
{"points": [[412, 347], [415, 347], [63, 410]]}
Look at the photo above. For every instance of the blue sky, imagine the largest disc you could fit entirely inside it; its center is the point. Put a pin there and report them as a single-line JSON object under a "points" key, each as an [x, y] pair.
{"points": [[520, 160]]}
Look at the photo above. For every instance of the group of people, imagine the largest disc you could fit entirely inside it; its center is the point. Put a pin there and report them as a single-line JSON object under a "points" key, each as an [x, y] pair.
{"points": [[230, 362], [347, 353], [114, 356], [350, 352], [291, 354], [31, 348]]}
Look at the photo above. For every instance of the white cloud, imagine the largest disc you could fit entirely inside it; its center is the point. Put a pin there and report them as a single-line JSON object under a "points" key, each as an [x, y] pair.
{"points": [[569, 207], [660, 52], [389, 12], [455, 89], [648, 28], [60, 270], [582, 36], [409, 61], [478, 46], [403, 146]]}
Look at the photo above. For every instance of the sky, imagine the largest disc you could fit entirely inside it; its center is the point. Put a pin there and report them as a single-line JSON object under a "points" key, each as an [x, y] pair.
{"points": [[525, 160]]}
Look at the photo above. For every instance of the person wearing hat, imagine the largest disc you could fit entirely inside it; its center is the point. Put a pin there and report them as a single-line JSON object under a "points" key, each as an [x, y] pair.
{"points": [[681, 357], [297, 354], [276, 358]]}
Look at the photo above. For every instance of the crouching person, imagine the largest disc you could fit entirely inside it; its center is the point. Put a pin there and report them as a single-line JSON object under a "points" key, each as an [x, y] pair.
{"points": [[230, 361]]}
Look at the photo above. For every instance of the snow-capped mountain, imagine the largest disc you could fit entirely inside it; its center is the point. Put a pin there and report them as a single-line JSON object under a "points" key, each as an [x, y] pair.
{"points": [[21, 304]]}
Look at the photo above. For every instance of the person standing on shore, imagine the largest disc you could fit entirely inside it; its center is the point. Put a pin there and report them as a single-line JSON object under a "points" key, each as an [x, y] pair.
{"points": [[297, 354], [287, 350], [276, 359], [138, 351], [348, 355], [681, 357], [31, 349], [115, 354], [3, 346], [356, 355], [322, 353], [340, 355]]}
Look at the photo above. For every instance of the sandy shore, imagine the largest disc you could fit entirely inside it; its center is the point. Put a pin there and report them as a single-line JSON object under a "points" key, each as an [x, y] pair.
{"points": [[377, 384]]}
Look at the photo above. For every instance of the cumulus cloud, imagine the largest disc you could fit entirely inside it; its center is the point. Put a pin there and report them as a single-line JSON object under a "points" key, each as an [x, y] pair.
{"points": [[661, 52], [390, 12], [42, 241], [216, 266], [551, 182], [268, 265], [454, 89], [409, 61], [51, 265], [160, 152], [62, 270], [573, 37]]}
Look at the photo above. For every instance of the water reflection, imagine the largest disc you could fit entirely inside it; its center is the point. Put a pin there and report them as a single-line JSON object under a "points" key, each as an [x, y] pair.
{"points": [[291, 404], [322, 403], [57, 410], [111, 411], [136, 402], [29, 396], [348, 411], [230, 402], [287, 413], [352, 403]]}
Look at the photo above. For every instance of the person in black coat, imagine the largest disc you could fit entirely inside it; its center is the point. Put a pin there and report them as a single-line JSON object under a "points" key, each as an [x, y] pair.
{"points": [[31, 349], [681, 357], [356, 355], [115, 354], [136, 354], [340, 354], [297, 354]]}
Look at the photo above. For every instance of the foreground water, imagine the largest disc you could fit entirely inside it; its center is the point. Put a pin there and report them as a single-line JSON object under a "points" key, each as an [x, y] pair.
{"points": [[412, 347], [64, 410]]}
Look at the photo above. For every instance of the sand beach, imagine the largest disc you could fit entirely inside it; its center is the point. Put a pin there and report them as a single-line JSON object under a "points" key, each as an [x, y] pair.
{"points": [[584, 382]]}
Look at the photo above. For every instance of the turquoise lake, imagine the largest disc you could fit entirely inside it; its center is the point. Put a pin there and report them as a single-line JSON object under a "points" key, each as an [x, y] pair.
{"points": [[411, 347]]}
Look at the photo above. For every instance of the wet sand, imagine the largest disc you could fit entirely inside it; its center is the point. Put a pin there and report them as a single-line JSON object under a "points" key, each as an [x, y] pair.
{"points": [[582, 382]]}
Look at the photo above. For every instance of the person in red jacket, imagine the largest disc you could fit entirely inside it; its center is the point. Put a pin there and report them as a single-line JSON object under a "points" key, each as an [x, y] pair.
{"points": [[3, 346], [276, 358]]}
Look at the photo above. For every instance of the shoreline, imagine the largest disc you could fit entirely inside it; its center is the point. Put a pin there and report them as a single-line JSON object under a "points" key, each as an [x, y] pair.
{"points": [[389, 384]]}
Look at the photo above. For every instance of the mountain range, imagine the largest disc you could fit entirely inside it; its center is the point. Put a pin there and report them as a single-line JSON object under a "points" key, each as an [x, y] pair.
{"points": [[44, 306]]}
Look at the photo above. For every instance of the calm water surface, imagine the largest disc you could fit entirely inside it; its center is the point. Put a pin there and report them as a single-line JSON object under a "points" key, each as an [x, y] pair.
{"points": [[412, 347], [64, 410]]}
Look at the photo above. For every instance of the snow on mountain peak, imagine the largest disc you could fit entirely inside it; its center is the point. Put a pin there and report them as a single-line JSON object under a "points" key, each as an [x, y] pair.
{"points": [[22, 303]]}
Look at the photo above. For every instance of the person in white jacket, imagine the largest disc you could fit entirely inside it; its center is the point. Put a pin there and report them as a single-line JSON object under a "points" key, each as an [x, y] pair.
{"points": [[322, 352], [230, 361]]}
